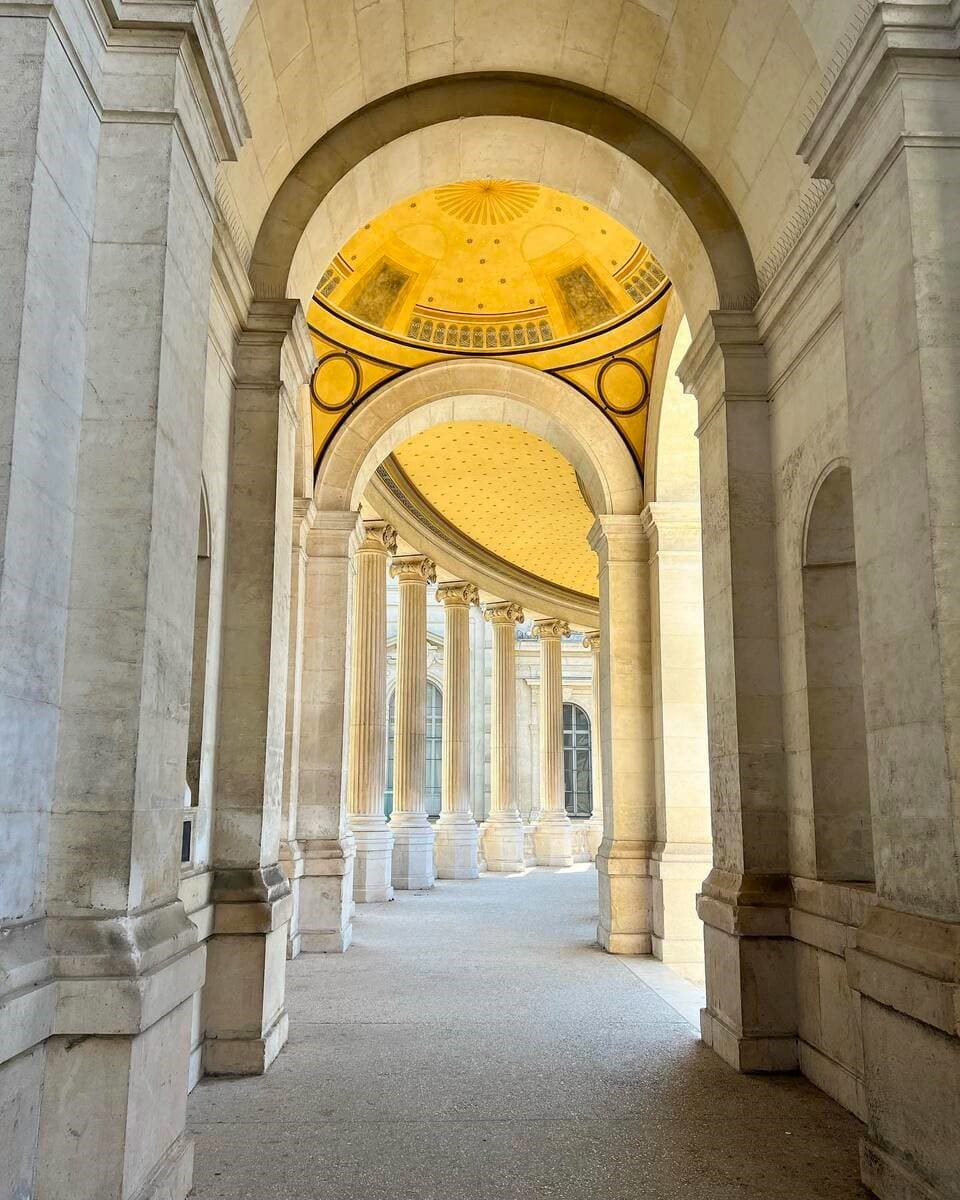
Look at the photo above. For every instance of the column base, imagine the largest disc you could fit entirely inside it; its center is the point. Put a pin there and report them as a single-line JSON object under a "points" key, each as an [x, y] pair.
{"points": [[750, 1018], [413, 839], [373, 865], [593, 834], [243, 999], [326, 894], [246, 1055], [553, 840], [502, 836], [456, 847], [677, 873], [529, 849], [624, 893], [291, 862], [906, 969]]}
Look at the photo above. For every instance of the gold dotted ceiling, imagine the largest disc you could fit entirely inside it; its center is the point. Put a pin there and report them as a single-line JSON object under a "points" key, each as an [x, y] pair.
{"points": [[503, 269], [483, 476]]}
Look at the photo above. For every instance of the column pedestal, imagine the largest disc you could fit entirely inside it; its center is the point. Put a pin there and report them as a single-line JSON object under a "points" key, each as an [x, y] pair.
{"points": [[326, 894]]}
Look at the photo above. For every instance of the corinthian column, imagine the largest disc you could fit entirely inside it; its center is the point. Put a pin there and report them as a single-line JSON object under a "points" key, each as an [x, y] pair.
{"points": [[412, 832], [368, 717], [503, 831], [457, 832], [591, 642], [553, 833]]}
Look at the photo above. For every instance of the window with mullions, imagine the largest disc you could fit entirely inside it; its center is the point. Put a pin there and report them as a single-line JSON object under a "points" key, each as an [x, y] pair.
{"points": [[577, 765], [433, 750]]}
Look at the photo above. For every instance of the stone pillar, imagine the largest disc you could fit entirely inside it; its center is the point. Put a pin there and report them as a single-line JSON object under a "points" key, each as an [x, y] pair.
{"points": [[750, 1015], [100, 550], [243, 1002], [367, 764], [291, 855], [457, 830], [682, 855], [413, 834], [888, 136], [553, 832], [591, 642], [626, 732], [326, 842], [503, 830]]}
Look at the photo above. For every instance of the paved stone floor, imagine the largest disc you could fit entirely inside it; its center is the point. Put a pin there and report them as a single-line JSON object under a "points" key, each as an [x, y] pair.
{"points": [[474, 1044]]}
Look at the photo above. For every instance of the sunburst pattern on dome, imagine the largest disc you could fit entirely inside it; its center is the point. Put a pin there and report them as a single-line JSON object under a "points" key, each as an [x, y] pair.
{"points": [[487, 201]]}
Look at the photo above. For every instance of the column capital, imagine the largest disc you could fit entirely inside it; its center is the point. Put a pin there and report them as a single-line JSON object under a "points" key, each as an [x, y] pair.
{"points": [[726, 361], [413, 568], [503, 612], [551, 627], [591, 640], [378, 537], [334, 534], [457, 594], [619, 538], [915, 41], [672, 526]]}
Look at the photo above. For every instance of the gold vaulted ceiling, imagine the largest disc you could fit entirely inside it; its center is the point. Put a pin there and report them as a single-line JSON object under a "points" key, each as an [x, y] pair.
{"points": [[509, 491], [503, 269]]}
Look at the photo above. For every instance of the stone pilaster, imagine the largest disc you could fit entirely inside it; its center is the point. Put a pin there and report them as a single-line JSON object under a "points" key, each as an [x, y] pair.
{"points": [[244, 1013], [373, 871], [503, 830], [683, 853], [326, 842], [591, 642], [413, 834], [623, 860], [888, 137], [95, 790], [750, 1015], [553, 833], [457, 831]]}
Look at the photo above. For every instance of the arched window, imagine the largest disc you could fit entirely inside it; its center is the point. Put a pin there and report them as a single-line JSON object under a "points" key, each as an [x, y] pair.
{"points": [[838, 748], [577, 765], [433, 749]]}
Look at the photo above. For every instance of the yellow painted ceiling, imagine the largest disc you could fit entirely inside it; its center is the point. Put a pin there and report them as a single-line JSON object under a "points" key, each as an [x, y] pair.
{"points": [[503, 269], [509, 491]]}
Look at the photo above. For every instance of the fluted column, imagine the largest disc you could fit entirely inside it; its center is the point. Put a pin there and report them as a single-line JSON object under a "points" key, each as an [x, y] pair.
{"points": [[591, 642], [457, 830], [372, 879], [503, 830], [412, 833], [553, 832]]}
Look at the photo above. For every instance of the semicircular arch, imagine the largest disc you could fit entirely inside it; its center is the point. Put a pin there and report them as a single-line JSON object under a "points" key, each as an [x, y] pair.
{"points": [[562, 104], [471, 390]]}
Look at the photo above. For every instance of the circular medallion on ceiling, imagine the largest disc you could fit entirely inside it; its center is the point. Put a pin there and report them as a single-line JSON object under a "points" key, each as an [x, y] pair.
{"points": [[487, 201], [622, 386]]}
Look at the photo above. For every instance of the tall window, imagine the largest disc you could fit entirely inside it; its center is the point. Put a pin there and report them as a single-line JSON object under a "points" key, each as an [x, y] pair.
{"points": [[577, 765], [434, 736]]}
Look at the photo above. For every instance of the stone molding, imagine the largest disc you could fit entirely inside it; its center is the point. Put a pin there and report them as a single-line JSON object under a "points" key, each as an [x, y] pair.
{"points": [[618, 538], [413, 568], [746, 905], [551, 627], [457, 594], [378, 538], [726, 362], [503, 612]]}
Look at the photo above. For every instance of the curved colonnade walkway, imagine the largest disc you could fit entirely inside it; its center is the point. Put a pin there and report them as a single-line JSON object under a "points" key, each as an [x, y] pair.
{"points": [[475, 1043]]}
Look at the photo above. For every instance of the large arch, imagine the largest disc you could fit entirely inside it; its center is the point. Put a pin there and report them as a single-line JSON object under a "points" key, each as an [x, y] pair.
{"points": [[479, 391], [570, 106]]}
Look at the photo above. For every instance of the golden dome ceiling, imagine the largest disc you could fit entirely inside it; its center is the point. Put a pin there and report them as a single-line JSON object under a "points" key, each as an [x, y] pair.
{"points": [[508, 491], [505, 269]]}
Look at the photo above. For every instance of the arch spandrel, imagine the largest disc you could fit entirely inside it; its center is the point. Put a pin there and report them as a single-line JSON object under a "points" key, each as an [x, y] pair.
{"points": [[471, 391]]}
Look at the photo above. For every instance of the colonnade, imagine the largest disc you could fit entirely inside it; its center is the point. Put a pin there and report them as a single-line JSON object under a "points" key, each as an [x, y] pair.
{"points": [[408, 851]]}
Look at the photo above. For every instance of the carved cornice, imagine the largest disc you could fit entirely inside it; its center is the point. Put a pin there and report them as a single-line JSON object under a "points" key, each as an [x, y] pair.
{"points": [[378, 538], [591, 640], [503, 612], [457, 594], [551, 627], [413, 568]]}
